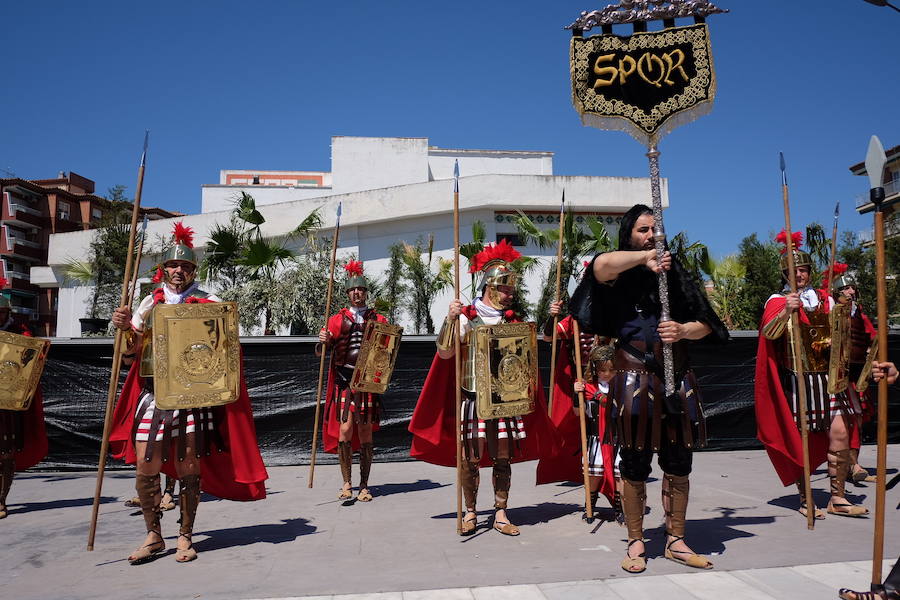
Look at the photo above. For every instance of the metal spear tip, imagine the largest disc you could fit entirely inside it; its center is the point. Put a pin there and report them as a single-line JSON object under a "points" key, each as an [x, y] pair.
{"points": [[875, 161], [456, 168], [783, 169], [837, 209]]}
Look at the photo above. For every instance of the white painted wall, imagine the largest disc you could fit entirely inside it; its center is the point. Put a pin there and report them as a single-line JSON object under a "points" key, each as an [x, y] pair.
{"points": [[374, 219]]}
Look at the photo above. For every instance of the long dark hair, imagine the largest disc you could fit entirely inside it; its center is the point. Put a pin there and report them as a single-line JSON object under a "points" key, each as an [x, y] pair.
{"points": [[627, 224]]}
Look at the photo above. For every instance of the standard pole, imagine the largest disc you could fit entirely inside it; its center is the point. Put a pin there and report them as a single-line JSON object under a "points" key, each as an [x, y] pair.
{"points": [[582, 423], [662, 281], [117, 350], [456, 351], [559, 249], [315, 440], [794, 325], [877, 195]]}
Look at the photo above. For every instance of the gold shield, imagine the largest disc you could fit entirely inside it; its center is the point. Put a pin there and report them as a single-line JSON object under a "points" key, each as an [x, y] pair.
{"points": [[377, 355], [839, 359], [196, 355], [862, 384], [506, 376], [22, 361]]}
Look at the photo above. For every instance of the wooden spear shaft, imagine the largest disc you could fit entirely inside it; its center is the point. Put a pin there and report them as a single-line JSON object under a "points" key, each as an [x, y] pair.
{"points": [[834, 229], [456, 352], [315, 440], [117, 351], [559, 249], [582, 422], [881, 469], [797, 345]]}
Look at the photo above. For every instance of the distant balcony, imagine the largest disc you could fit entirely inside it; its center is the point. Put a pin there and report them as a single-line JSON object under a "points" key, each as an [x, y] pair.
{"points": [[864, 204], [891, 228], [26, 252]]}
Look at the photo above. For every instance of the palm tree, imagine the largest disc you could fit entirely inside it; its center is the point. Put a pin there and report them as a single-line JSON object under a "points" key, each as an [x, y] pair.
{"points": [[425, 283], [728, 285], [246, 264], [578, 243], [693, 256]]}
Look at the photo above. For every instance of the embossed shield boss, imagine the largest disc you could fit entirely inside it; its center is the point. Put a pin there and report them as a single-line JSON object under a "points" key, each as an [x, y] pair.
{"points": [[377, 355], [506, 375], [196, 355], [21, 364]]}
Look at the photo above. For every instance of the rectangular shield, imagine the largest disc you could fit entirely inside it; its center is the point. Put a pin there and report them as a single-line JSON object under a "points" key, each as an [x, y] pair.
{"points": [[839, 359], [21, 364], [862, 384], [377, 355], [506, 375], [196, 355]]}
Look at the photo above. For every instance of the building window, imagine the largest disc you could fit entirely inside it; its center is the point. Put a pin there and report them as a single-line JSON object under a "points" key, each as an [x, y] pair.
{"points": [[256, 180], [62, 211], [511, 238], [96, 213]]}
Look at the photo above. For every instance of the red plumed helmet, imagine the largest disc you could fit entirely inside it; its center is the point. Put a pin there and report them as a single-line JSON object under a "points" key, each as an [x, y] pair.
{"points": [[796, 239], [354, 268], [801, 257], [494, 253], [355, 278], [183, 234]]}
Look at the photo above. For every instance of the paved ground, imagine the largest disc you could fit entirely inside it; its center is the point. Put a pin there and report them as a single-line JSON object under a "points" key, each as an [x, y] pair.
{"points": [[302, 542]]}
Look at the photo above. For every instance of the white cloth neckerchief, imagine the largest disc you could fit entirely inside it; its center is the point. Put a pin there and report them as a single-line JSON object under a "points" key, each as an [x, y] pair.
{"points": [[603, 386], [173, 297], [853, 308], [808, 297], [358, 313], [485, 311]]}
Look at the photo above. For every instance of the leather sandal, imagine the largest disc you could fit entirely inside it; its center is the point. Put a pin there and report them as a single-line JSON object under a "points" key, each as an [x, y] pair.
{"points": [[847, 510], [692, 559], [859, 475], [133, 502], [848, 594], [505, 527], [469, 524], [163, 505], [364, 495], [818, 515], [345, 494], [187, 555], [634, 564], [147, 553], [3, 511]]}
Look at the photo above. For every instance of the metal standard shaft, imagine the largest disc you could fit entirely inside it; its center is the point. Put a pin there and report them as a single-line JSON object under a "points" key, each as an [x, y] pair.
{"points": [[659, 237]]}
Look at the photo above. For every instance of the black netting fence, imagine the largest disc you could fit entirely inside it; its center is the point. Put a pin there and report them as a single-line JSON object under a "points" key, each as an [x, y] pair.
{"points": [[282, 375]]}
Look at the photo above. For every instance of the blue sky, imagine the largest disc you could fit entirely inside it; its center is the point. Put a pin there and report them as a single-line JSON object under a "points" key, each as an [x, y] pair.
{"points": [[264, 85]]}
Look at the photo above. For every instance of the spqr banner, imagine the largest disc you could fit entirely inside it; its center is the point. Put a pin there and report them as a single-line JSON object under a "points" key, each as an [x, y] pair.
{"points": [[645, 84]]}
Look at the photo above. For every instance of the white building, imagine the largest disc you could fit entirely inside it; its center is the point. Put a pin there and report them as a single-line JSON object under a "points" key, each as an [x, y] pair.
{"points": [[391, 189]]}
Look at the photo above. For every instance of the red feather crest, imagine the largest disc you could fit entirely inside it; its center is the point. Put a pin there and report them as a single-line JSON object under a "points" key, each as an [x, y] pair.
{"points": [[158, 276], [354, 268], [183, 234], [796, 239], [4, 282], [839, 268], [500, 251]]}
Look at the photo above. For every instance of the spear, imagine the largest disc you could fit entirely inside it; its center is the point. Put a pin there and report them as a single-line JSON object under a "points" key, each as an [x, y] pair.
{"points": [[875, 160], [588, 508], [334, 245], [837, 208], [137, 262], [794, 326], [117, 348], [559, 249], [456, 351]]}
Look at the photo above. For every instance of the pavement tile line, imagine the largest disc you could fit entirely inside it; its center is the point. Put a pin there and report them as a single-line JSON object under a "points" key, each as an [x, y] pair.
{"points": [[708, 585]]}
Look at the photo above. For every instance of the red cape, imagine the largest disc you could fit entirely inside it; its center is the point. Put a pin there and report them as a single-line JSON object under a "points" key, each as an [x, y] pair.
{"points": [[235, 474], [35, 447], [775, 424], [567, 465], [433, 423], [331, 425]]}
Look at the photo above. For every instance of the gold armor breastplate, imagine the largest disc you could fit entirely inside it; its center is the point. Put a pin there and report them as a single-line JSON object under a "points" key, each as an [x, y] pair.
{"points": [[146, 367], [815, 337]]}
